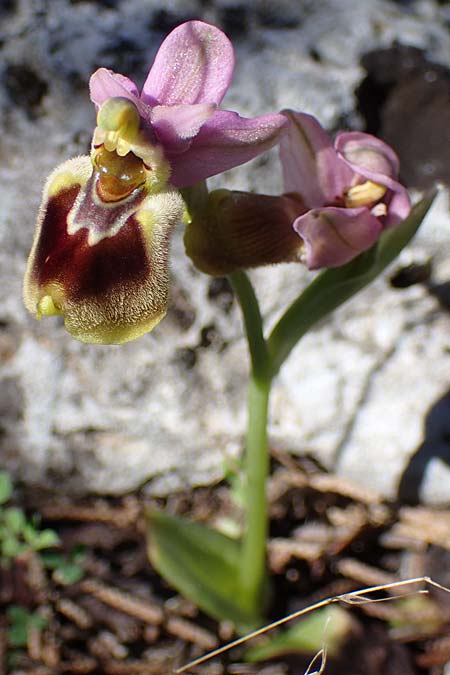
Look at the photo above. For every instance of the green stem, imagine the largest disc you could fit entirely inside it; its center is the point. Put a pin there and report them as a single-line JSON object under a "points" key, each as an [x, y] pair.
{"points": [[253, 324], [253, 561]]}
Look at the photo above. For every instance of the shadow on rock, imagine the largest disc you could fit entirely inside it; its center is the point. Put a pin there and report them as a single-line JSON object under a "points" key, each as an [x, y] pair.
{"points": [[436, 445], [405, 99]]}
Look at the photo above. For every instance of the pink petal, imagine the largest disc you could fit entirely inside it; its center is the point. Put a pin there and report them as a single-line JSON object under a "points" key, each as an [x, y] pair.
{"points": [[106, 84], [310, 163], [373, 159], [194, 64], [224, 141], [398, 206], [367, 155], [334, 236], [176, 125]]}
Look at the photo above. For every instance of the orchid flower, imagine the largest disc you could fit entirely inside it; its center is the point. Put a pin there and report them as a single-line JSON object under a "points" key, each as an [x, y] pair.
{"points": [[338, 199], [349, 190], [100, 252], [178, 106]]}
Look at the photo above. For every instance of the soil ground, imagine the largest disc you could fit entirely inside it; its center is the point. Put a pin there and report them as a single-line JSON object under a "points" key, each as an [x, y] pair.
{"points": [[327, 537]]}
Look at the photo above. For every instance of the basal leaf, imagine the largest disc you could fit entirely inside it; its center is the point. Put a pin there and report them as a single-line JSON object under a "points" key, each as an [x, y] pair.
{"points": [[202, 564], [333, 287], [326, 628]]}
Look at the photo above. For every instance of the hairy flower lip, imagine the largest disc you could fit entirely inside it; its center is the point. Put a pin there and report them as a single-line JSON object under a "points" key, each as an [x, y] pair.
{"points": [[102, 219], [111, 285]]}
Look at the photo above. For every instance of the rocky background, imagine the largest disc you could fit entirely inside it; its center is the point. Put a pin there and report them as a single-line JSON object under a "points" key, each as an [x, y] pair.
{"points": [[367, 393]]}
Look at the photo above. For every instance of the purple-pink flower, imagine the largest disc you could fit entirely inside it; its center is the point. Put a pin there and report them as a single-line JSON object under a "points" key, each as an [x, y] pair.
{"points": [[349, 189], [178, 105], [100, 254]]}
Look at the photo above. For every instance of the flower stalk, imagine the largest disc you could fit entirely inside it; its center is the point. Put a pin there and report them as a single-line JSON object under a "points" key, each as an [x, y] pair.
{"points": [[256, 462]]}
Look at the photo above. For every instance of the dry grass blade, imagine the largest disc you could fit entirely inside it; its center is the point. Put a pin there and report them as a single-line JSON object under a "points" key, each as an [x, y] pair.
{"points": [[356, 597], [322, 655]]}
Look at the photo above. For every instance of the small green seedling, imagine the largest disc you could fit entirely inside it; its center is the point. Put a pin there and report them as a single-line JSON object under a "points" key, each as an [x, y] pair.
{"points": [[17, 533], [20, 622], [67, 569]]}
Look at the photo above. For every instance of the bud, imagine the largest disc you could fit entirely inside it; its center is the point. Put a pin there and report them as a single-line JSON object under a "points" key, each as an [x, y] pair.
{"points": [[239, 230]]}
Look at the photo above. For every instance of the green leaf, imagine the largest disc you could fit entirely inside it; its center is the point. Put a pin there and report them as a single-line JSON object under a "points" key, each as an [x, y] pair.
{"points": [[333, 287], [17, 614], [12, 547], [417, 614], [66, 569], [29, 533], [21, 621], [202, 564], [45, 539], [327, 628], [14, 519], [78, 554], [68, 573], [233, 473], [18, 635], [52, 560], [6, 487], [39, 540], [37, 621]]}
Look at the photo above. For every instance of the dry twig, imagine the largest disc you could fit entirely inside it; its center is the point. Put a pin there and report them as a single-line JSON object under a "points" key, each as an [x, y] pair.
{"points": [[354, 598]]}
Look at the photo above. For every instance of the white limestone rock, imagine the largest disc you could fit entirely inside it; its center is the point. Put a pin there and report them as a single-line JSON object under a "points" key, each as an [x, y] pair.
{"points": [[167, 409]]}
